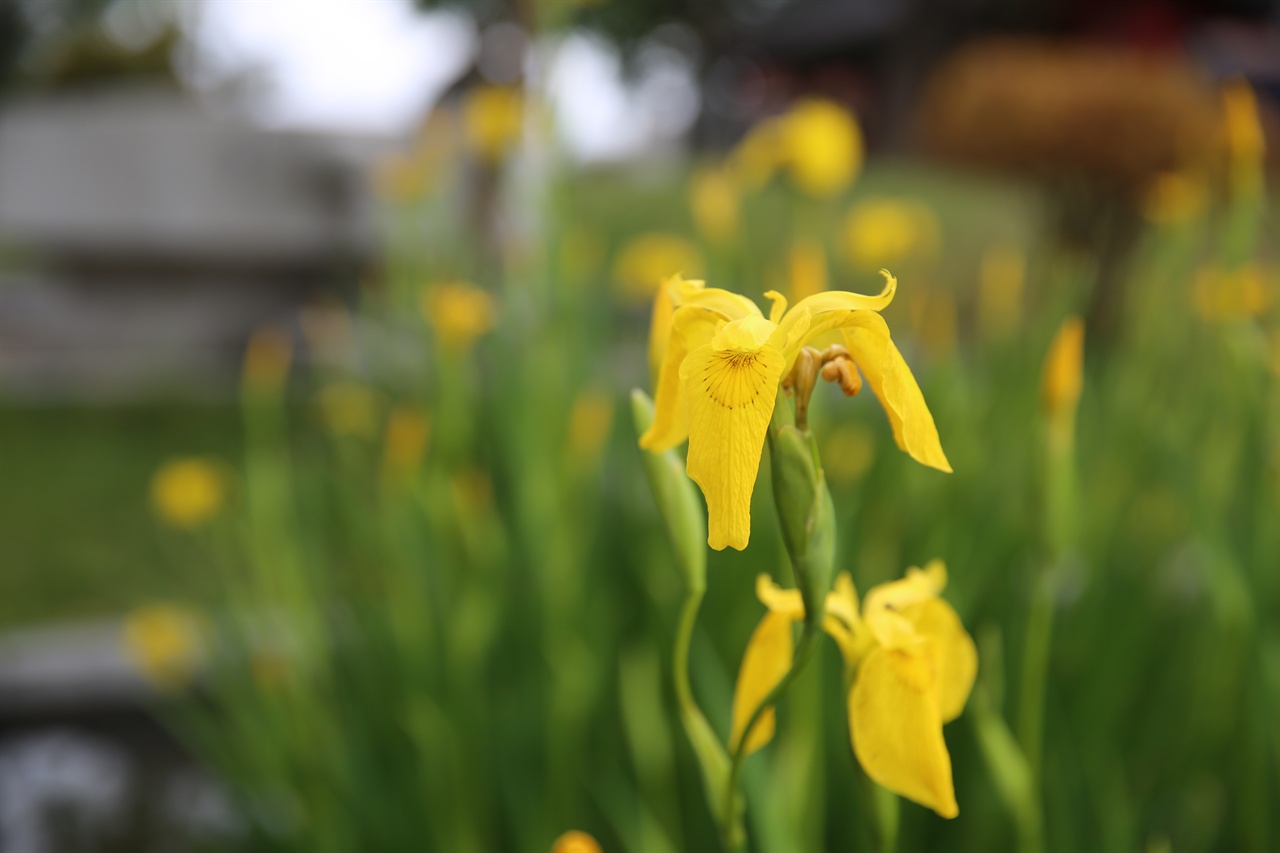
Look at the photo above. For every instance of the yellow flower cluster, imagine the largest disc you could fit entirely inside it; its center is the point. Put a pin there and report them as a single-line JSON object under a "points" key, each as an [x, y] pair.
{"points": [[912, 666]]}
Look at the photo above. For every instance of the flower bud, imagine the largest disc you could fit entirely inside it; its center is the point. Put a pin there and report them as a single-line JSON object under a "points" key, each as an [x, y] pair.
{"points": [[805, 512], [1063, 367]]}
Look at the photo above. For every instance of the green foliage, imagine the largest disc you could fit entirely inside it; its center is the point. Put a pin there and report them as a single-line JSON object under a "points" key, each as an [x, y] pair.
{"points": [[473, 656]]}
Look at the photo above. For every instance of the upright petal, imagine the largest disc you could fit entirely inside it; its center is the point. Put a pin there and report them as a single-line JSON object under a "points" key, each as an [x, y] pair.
{"points": [[952, 650], [690, 328], [843, 623], [766, 661], [779, 600], [896, 728], [867, 339], [730, 392], [664, 309], [726, 303], [885, 603]]}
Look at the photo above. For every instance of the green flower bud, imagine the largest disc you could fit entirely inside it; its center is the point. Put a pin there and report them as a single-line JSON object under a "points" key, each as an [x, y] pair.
{"points": [[805, 512], [677, 500]]}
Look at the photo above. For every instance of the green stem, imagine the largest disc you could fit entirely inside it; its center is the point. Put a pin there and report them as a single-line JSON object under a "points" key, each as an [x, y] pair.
{"points": [[702, 737], [809, 636], [684, 637], [1035, 671]]}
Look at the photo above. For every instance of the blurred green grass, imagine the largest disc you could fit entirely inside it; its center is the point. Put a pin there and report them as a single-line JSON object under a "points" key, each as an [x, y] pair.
{"points": [[547, 600], [80, 539]]}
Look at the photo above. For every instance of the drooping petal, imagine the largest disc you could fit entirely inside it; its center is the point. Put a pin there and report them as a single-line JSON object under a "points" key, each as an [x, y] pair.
{"points": [[954, 655], [690, 328], [896, 728], [867, 339], [779, 600], [730, 388], [829, 310], [766, 661]]}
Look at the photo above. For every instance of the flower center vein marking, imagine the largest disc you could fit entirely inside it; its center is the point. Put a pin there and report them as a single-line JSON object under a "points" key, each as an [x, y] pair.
{"points": [[728, 384]]}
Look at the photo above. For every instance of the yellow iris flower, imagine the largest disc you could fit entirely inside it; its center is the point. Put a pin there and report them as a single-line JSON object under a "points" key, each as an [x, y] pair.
{"points": [[719, 362], [912, 665]]}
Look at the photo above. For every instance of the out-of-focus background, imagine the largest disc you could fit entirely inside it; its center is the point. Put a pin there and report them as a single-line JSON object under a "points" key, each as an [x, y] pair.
{"points": [[322, 523]]}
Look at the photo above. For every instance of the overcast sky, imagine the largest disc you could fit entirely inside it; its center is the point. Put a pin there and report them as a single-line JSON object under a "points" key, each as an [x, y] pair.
{"points": [[374, 66]]}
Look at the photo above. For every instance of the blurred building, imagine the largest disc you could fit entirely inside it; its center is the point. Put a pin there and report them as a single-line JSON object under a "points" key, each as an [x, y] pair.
{"points": [[144, 238]]}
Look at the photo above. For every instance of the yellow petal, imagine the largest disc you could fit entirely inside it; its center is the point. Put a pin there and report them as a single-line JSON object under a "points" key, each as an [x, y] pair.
{"points": [[779, 600], [729, 305], [896, 728], [843, 623], [766, 661], [778, 307], [690, 328], [664, 309], [730, 392], [867, 338], [885, 603], [830, 310], [952, 650]]}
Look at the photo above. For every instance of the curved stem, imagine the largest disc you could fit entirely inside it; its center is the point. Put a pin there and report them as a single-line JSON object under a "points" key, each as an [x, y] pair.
{"points": [[702, 737], [684, 636]]}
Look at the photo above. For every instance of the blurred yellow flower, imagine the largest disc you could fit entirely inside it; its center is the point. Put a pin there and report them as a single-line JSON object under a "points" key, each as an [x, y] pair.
{"points": [[405, 443], [848, 453], [167, 643], [824, 147], [472, 491], [722, 363], [714, 201], [760, 153], [493, 117], [1245, 140], [267, 358], [818, 141], [458, 313], [590, 420], [349, 409], [1000, 286], [188, 493], [1247, 291], [807, 267], [575, 841], [913, 666], [1175, 197], [1064, 370], [407, 175], [933, 319], [645, 261], [880, 231]]}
